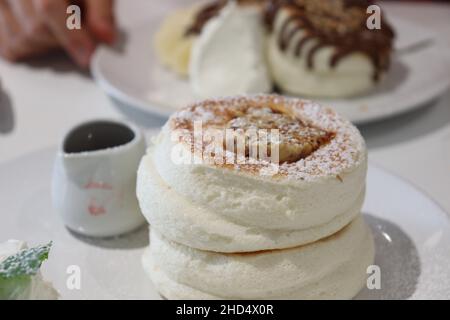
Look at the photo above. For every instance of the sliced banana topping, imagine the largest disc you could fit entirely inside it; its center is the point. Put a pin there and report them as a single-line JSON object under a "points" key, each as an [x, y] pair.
{"points": [[262, 127]]}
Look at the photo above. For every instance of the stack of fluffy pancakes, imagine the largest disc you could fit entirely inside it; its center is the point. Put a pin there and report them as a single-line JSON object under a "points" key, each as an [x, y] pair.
{"points": [[238, 230]]}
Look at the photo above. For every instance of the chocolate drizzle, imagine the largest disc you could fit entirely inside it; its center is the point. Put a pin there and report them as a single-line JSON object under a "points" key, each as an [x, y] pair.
{"points": [[340, 24], [337, 23], [204, 15], [211, 10]]}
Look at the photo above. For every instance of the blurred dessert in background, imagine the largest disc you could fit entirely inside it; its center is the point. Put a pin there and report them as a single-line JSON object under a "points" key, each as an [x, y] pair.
{"points": [[229, 55], [219, 46], [304, 47], [172, 43], [324, 48]]}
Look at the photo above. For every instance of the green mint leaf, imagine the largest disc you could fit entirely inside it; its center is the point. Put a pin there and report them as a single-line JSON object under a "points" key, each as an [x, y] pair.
{"points": [[24, 263]]}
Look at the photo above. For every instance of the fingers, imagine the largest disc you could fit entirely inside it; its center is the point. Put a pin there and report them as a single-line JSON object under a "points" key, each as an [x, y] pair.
{"points": [[14, 43], [78, 43], [8, 27], [33, 25], [100, 18], [30, 27]]}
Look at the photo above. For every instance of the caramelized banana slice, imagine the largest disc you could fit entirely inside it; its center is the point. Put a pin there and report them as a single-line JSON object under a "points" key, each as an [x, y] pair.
{"points": [[295, 140]]}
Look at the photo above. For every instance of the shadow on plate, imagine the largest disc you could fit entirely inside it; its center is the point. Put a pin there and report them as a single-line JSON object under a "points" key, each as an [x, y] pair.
{"points": [[6, 113], [408, 126], [395, 77], [134, 240], [56, 61], [398, 259]]}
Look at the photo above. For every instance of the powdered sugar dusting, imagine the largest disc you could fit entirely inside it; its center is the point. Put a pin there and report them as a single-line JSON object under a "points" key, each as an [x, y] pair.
{"points": [[342, 154]]}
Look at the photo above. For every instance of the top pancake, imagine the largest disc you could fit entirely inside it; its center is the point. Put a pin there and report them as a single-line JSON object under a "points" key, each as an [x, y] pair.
{"points": [[312, 140]]}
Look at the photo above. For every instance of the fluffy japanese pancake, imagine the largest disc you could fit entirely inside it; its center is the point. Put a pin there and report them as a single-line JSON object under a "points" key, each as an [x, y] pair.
{"points": [[325, 49], [317, 188], [332, 268]]}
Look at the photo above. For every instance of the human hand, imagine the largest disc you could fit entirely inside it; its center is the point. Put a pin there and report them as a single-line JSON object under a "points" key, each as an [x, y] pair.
{"points": [[33, 27]]}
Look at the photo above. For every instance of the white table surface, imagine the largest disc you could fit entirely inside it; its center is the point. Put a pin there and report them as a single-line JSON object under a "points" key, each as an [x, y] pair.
{"points": [[43, 99]]}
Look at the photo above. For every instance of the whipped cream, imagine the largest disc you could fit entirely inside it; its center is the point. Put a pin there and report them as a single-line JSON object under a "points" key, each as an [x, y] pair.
{"points": [[37, 288], [228, 57]]}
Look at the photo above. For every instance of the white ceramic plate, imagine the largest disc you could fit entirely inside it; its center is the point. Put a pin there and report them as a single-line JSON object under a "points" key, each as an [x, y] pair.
{"points": [[412, 236], [132, 74]]}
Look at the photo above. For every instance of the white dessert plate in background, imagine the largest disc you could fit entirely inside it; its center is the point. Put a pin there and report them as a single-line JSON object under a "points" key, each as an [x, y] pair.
{"points": [[412, 235], [132, 74]]}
